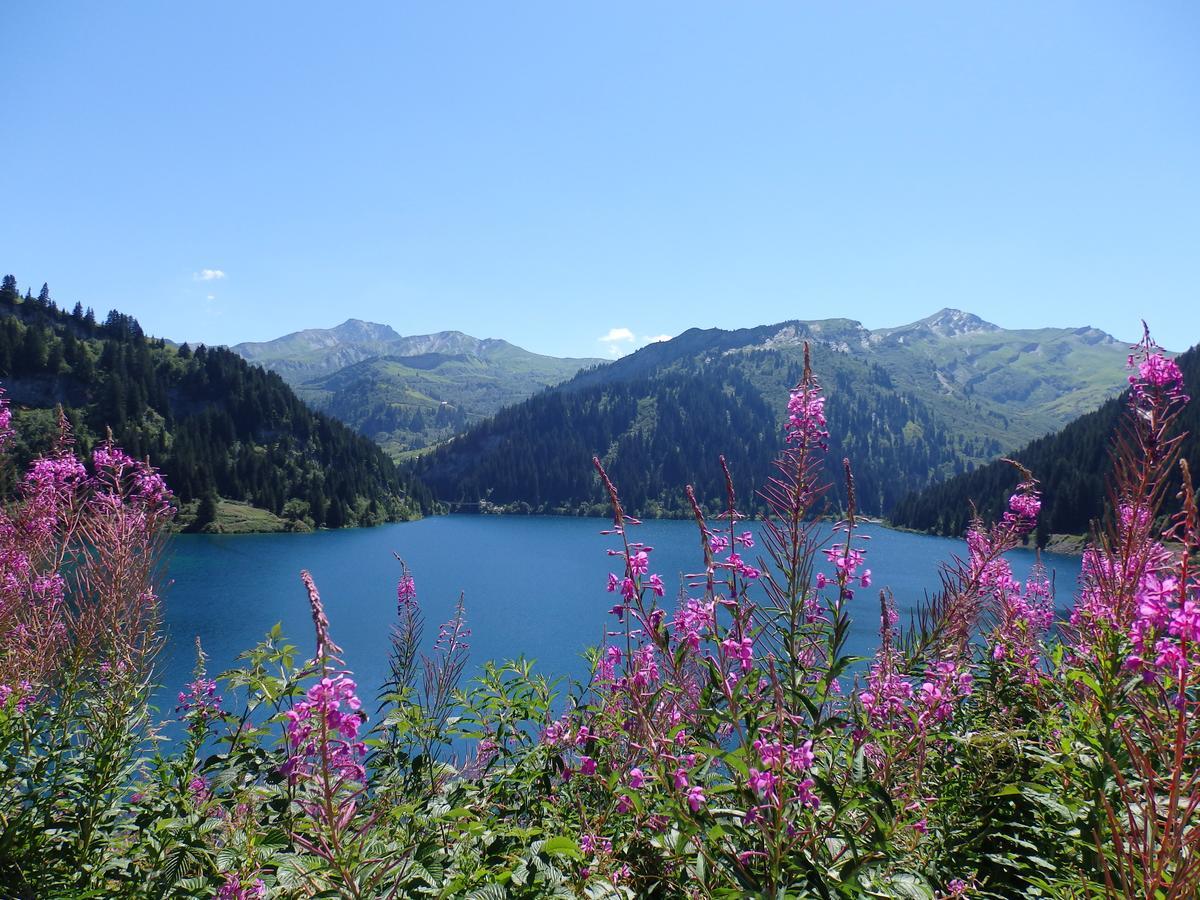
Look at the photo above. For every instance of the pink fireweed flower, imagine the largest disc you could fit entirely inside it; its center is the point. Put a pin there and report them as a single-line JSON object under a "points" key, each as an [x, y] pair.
{"points": [[200, 698], [1025, 505], [330, 712], [1165, 631], [801, 758], [639, 563], [693, 621], [696, 798], [590, 844], [763, 784], [1023, 617], [805, 795], [233, 889], [740, 566], [946, 683], [587, 765], [644, 669], [806, 417], [557, 733], [656, 585], [6, 431], [23, 692], [1155, 375], [770, 753], [742, 650], [406, 592], [637, 779], [606, 666]]}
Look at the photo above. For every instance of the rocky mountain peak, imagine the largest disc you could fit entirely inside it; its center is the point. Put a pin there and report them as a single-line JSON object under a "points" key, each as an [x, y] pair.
{"points": [[950, 322]]}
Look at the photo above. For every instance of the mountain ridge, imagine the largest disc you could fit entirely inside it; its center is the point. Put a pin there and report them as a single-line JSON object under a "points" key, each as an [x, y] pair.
{"points": [[907, 405], [407, 392]]}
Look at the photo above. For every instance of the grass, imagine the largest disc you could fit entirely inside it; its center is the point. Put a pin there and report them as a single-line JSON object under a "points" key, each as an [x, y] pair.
{"points": [[235, 517]]}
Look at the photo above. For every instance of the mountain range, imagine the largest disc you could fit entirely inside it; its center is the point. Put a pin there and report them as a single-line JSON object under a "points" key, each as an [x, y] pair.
{"points": [[908, 406], [926, 404], [407, 392]]}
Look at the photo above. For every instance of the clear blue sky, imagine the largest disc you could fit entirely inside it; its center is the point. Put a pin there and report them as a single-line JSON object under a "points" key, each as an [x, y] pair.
{"points": [[548, 173]]}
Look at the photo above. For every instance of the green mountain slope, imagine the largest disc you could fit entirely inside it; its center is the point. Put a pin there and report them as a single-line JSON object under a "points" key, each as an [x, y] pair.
{"points": [[407, 392], [1071, 465], [906, 406], [214, 424]]}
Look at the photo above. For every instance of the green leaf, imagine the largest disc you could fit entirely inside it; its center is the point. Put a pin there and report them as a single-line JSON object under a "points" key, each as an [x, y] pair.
{"points": [[562, 846]]}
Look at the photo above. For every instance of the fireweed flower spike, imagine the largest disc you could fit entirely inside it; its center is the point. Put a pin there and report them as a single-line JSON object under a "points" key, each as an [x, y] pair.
{"points": [[325, 646]]}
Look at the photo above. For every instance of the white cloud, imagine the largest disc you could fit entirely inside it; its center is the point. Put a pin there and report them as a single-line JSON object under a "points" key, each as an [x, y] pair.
{"points": [[211, 297], [616, 334], [209, 275], [620, 341]]}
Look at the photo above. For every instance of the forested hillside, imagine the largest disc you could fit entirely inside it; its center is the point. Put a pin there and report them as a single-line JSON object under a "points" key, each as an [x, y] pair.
{"points": [[214, 424], [659, 429], [1071, 466]]}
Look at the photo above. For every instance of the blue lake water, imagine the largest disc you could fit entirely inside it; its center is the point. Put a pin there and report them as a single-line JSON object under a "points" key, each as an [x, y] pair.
{"points": [[533, 586]]}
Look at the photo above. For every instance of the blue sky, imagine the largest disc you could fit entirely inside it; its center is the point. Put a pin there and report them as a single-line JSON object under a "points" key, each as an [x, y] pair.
{"points": [[555, 173]]}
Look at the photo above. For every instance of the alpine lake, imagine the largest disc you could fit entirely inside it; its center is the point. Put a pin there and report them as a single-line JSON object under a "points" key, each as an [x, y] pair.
{"points": [[533, 586]]}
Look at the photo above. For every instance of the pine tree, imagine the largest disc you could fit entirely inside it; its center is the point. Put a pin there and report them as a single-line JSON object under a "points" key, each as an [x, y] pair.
{"points": [[8, 290], [206, 511]]}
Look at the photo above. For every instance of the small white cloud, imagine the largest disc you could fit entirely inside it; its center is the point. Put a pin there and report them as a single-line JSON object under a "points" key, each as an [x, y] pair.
{"points": [[622, 340], [209, 275], [211, 297], [616, 334]]}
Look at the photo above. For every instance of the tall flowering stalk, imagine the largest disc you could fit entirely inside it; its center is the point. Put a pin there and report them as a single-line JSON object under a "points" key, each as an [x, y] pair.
{"points": [[325, 765], [794, 498]]}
